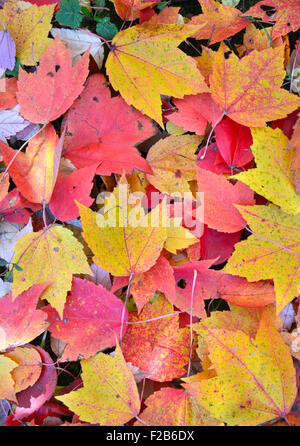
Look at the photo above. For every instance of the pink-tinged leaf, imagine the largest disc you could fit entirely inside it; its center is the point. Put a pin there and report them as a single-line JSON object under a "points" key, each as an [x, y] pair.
{"points": [[13, 207], [158, 347], [143, 286], [56, 79], [106, 132], [7, 51], [219, 197], [20, 322], [214, 245], [238, 291], [90, 310], [32, 398], [233, 141], [76, 186], [206, 285], [194, 112], [8, 96]]}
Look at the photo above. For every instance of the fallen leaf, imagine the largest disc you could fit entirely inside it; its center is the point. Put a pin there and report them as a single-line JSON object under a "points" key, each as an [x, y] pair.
{"points": [[109, 395], [55, 78], [92, 310], [146, 56], [53, 247]]}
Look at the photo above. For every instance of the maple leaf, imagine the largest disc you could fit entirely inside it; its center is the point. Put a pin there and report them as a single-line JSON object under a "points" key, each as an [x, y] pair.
{"points": [[173, 163], [20, 321], [271, 252], [219, 21], [194, 112], [129, 9], [123, 243], [109, 395], [219, 210], [55, 78], [92, 310], [145, 63], [29, 28], [214, 245], [7, 384], [239, 291], [106, 133], [31, 399], [248, 89], [8, 96], [206, 285], [28, 368], [35, 171], [143, 286], [272, 177], [71, 188], [159, 346], [286, 15], [173, 407], [294, 144], [256, 380], [53, 257]]}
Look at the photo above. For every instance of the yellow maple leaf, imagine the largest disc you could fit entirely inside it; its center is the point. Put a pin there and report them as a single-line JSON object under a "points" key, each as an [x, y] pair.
{"points": [[178, 237], [256, 379], [273, 177], [109, 395], [7, 384], [248, 89], [29, 28], [173, 163], [145, 63], [271, 252], [46, 256], [123, 239]]}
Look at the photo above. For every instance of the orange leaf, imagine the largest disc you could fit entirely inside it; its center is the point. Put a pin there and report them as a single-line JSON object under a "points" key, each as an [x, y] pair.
{"points": [[35, 171], [158, 347], [248, 89]]}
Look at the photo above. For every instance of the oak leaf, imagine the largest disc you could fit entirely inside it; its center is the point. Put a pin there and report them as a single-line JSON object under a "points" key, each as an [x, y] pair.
{"points": [[145, 63]]}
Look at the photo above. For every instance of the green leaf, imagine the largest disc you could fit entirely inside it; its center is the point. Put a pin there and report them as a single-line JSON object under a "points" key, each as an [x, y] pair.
{"points": [[161, 5], [9, 276], [18, 268], [106, 29], [3, 262], [15, 71], [69, 13]]}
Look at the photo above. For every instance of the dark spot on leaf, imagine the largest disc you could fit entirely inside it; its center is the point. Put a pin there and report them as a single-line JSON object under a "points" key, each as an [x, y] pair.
{"points": [[140, 283], [57, 67], [288, 24], [227, 54], [140, 125], [23, 279], [50, 74], [95, 99], [56, 249], [178, 173], [117, 395], [181, 283]]}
